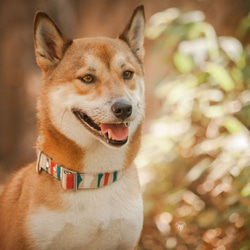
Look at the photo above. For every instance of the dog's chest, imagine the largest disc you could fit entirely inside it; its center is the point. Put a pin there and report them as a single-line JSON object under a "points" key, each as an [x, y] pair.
{"points": [[109, 218]]}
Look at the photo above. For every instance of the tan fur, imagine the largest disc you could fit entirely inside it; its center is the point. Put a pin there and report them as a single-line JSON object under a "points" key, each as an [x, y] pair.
{"points": [[63, 62]]}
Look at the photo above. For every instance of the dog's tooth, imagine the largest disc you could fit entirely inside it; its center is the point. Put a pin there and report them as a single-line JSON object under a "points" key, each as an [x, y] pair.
{"points": [[126, 124], [109, 135]]}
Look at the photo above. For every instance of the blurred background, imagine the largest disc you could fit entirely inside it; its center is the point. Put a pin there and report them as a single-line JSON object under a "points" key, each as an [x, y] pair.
{"points": [[195, 155]]}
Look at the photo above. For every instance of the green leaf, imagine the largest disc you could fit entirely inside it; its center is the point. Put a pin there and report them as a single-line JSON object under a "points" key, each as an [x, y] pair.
{"points": [[246, 190], [244, 27], [183, 63], [221, 76], [207, 218], [202, 77], [233, 125]]}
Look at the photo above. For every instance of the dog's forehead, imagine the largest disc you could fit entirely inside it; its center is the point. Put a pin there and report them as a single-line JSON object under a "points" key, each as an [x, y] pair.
{"points": [[105, 50], [95, 63]]}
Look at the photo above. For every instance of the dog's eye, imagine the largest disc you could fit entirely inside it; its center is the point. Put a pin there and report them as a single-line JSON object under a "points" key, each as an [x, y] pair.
{"points": [[127, 75], [87, 79]]}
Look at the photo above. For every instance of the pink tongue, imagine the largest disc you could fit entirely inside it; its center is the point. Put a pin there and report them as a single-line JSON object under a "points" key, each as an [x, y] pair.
{"points": [[117, 131]]}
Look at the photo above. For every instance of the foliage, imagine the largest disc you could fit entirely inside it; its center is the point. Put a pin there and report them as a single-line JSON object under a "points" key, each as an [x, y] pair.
{"points": [[194, 161]]}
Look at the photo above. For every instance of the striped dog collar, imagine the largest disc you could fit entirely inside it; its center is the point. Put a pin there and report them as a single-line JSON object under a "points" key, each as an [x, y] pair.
{"points": [[73, 180]]}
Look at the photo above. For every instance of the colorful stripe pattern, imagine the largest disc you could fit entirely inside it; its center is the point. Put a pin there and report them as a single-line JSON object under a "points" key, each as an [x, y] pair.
{"points": [[72, 180]]}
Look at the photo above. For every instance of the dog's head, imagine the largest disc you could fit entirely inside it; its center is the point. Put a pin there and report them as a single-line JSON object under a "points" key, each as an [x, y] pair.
{"points": [[93, 88]]}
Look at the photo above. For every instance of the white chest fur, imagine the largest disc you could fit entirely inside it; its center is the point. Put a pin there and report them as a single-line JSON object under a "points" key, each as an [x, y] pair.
{"points": [[106, 218]]}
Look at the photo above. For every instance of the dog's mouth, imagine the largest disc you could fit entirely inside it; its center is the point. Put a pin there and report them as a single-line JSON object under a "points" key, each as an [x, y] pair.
{"points": [[115, 134]]}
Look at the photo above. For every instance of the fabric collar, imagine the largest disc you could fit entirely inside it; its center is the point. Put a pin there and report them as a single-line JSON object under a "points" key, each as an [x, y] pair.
{"points": [[73, 180]]}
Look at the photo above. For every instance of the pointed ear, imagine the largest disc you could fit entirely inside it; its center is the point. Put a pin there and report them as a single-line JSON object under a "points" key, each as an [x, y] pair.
{"points": [[133, 34], [50, 43]]}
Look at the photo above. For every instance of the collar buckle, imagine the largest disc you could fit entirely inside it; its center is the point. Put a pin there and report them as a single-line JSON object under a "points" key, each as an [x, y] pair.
{"points": [[69, 179]]}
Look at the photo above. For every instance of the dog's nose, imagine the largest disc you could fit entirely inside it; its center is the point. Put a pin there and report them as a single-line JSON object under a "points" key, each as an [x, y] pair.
{"points": [[122, 109]]}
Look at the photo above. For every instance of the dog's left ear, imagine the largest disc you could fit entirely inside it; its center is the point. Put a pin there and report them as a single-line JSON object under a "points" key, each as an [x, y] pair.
{"points": [[133, 34], [50, 42]]}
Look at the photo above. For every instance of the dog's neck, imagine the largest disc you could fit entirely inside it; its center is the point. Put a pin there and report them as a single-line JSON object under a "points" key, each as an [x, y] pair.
{"points": [[93, 159], [61, 149]]}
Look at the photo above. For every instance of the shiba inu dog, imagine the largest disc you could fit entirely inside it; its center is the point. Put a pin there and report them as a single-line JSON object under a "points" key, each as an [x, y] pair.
{"points": [[83, 192]]}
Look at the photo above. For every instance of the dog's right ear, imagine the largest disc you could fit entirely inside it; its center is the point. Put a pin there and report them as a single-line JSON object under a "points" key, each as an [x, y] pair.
{"points": [[50, 42], [133, 34]]}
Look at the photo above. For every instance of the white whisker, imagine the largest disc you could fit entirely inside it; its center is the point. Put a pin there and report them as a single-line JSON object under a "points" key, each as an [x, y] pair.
{"points": [[59, 112], [64, 111]]}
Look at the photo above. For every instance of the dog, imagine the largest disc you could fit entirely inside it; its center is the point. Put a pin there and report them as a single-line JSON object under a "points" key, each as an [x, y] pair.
{"points": [[83, 191]]}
